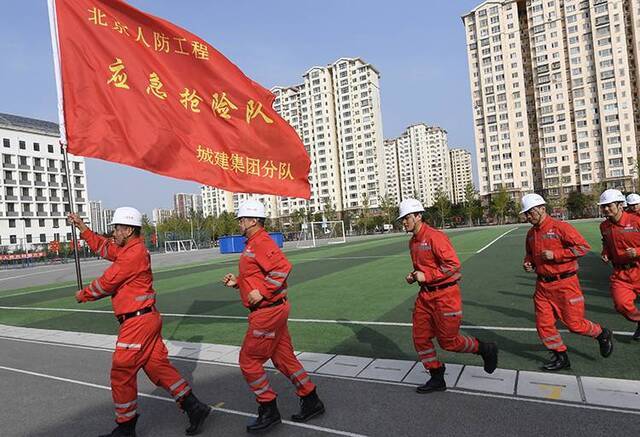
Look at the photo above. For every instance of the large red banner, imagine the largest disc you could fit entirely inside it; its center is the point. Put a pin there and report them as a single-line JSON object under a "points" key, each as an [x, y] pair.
{"points": [[141, 91]]}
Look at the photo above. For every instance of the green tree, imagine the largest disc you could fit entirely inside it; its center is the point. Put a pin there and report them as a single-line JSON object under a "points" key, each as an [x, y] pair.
{"points": [[365, 213], [389, 208], [470, 202], [329, 210], [442, 205], [500, 204], [577, 203]]}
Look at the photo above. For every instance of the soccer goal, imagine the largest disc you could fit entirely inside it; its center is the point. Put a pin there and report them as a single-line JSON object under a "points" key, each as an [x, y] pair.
{"points": [[180, 246], [316, 234]]}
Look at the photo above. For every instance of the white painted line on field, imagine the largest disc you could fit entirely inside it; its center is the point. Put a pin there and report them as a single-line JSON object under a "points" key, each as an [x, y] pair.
{"points": [[32, 274], [496, 239], [328, 321], [513, 397], [166, 399]]}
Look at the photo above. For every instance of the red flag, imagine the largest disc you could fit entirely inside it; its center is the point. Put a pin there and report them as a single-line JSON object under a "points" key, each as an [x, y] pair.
{"points": [[141, 91]]}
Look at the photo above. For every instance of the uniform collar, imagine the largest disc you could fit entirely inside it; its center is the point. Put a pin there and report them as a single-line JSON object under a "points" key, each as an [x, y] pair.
{"points": [[132, 242], [624, 220], [258, 232], [547, 222], [422, 232]]}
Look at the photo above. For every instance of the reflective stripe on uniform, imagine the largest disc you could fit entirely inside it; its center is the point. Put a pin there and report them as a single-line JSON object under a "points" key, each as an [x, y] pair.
{"points": [[296, 374], [555, 345], [182, 393], [273, 281], [576, 300], [428, 360], [177, 384], [426, 351], [93, 292], [128, 345], [302, 382], [545, 340], [262, 390], [146, 297], [96, 283], [457, 313], [266, 334], [250, 254], [125, 405], [259, 380], [129, 414], [278, 274]]}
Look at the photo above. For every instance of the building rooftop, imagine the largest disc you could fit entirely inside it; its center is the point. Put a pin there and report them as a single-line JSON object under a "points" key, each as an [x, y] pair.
{"points": [[24, 124]]}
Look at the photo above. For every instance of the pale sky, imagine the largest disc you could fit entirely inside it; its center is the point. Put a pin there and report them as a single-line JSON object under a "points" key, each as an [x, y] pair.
{"points": [[418, 47]]}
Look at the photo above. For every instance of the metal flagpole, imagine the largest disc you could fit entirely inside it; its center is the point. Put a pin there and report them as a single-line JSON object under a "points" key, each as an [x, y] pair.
{"points": [[53, 26]]}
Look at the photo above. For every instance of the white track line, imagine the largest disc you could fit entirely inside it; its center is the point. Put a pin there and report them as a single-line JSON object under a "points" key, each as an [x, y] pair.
{"points": [[32, 274], [327, 321], [162, 398], [346, 378], [496, 239]]}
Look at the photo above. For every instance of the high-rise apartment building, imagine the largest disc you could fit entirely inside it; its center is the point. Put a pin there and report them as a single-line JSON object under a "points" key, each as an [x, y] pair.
{"points": [[97, 219], [186, 204], [336, 111], [33, 186], [424, 163], [160, 215], [460, 173], [555, 93], [216, 201]]}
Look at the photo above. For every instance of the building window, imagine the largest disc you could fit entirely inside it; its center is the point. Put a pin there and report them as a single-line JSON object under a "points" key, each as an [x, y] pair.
{"points": [[43, 238], [12, 223], [50, 148], [36, 147], [6, 142]]}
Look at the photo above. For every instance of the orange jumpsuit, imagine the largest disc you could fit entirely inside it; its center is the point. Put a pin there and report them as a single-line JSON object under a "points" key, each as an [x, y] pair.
{"points": [[558, 294], [264, 267], [129, 283], [625, 279], [438, 308]]}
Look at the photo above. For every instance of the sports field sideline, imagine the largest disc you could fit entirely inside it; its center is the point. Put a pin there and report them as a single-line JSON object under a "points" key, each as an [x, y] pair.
{"points": [[352, 299]]}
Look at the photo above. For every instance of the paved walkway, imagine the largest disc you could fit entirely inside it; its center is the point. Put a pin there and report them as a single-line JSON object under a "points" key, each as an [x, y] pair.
{"points": [[603, 392]]}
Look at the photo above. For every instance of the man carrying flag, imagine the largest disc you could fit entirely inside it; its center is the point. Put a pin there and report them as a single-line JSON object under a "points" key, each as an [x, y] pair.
{"points": [[262, 285], [129, 284]]}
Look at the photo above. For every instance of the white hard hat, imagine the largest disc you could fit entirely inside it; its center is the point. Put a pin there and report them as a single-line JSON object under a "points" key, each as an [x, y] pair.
{"points": [[530, 201], [252, 208], [408, 206], [127, 216], [611, 195], [633, 199]]}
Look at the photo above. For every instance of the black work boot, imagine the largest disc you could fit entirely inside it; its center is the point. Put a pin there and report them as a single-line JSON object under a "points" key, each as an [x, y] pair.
{"points": [[435, 383], [268, 416], [559, 361], [197, 412], [489, 353], [124, 429], [605, 339], [636, 335], [310, 406]]}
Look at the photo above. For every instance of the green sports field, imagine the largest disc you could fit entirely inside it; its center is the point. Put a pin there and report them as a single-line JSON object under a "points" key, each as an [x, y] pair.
{"points": [[364, 281]]}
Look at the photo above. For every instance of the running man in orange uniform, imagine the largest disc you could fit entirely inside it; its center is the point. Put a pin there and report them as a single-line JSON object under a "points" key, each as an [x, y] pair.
{"points": [[621, 246], [438, 308], [129, 284], [552, 251], [633, 204], [262, 285]]}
